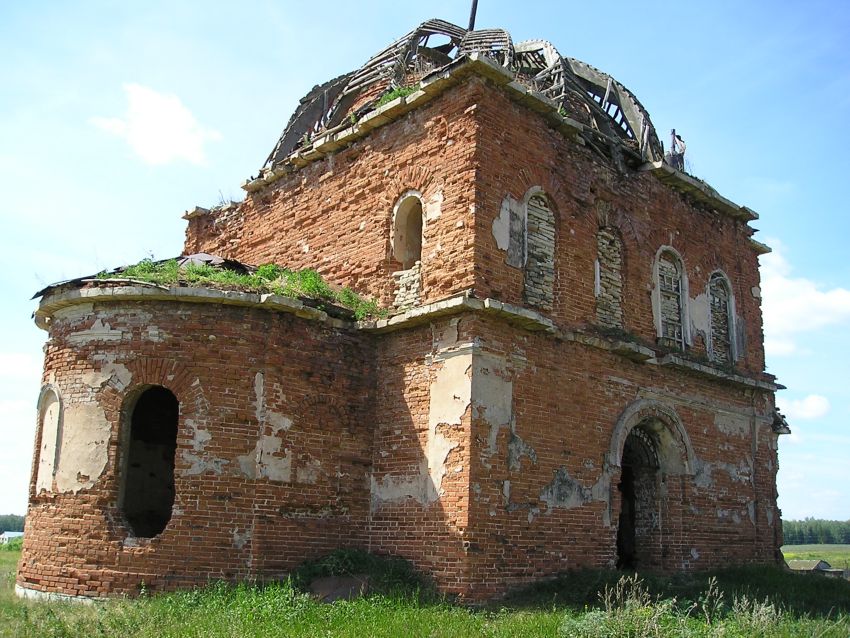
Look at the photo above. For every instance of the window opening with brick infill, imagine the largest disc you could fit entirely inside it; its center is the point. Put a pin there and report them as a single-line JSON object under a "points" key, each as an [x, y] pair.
{"points": [[148, 485], [721, 323], [540, 261], [407, 250], [609, 282], [671, 298], [638, 487]]}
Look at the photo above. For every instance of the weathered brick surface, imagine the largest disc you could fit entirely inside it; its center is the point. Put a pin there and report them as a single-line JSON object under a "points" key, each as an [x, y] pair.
{"points": [[567, 399], [335, 214], [486, 453], [519, 151], [226, 524]]}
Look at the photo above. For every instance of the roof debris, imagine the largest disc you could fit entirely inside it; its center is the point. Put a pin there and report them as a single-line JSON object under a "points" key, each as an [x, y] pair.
{"points": [[578, 89]]}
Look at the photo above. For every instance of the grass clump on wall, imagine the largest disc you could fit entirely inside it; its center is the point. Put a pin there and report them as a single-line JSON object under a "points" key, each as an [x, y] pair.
{"points": [[267, 278]]}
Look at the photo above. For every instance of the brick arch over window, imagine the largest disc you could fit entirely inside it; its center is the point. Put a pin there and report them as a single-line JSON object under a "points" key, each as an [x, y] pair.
{"points": [[649, 447], [672, 443], [193, 420], [670, 299], [539, 282], [722, 347], [49, 438], [608, 278]]}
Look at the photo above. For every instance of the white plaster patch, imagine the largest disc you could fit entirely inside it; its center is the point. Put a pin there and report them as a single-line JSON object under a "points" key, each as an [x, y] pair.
{"points": [[502, 225], [265, 461], [451, 391], [449, 399], [433, 207], [197, 460], [259, 393], [277, 421], [732, 424], [155, 334], [393, 489], [77, 312], [83, 448], [116, 371], [492, 395], [492, 390], [99, 331], [699, 310]]}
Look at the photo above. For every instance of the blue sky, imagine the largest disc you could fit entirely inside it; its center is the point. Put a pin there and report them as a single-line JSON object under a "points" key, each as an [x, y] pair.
{"points": [[116, 118]]}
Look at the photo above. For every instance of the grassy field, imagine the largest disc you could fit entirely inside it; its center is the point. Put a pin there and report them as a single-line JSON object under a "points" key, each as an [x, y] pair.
{"points": [[836, 555], [732, 604]]}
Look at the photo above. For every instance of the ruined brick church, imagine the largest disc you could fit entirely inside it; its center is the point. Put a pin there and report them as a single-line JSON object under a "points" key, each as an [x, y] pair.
{"points": [[570, 374]]}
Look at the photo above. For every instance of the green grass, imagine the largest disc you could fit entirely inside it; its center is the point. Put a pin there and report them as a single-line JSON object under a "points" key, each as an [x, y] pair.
{"points": [[582, 604], [401, 91], [836, 555], [268, 278]]}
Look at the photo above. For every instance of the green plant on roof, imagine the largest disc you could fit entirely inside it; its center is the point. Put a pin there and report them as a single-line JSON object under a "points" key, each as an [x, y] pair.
{"points": [[401, 91], [267, 278]]}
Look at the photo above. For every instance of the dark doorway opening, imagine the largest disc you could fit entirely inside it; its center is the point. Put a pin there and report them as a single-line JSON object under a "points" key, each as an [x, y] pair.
{"points": [[148, 490], [638, 499], [626, 528]]}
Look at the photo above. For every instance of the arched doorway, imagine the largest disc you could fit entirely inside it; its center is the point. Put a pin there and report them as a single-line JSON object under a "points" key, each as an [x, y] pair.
{"points": [[639, 498], [148, 482]]}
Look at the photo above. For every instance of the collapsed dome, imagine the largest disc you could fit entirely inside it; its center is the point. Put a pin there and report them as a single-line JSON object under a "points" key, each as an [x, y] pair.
{"points": [[578, 90]]}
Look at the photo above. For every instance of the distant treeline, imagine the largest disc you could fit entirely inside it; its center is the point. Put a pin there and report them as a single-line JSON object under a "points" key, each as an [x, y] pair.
{"points": [[816, 531], [11, 523]]}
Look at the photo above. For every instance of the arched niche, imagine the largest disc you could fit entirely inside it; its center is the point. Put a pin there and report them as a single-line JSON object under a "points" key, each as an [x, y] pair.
{"points": [[407, 229], [49, 438]]}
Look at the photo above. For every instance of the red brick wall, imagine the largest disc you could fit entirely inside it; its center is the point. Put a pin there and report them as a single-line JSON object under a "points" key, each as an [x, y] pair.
{"points": [[335, 214], [224, 524], [428, 532], [517, 150], [360, 405], [567, 399]]}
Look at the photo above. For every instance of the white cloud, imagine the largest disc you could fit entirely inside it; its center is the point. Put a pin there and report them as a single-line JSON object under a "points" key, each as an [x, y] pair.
{"points": [[159, 128], [794, 305], [813, 406]]}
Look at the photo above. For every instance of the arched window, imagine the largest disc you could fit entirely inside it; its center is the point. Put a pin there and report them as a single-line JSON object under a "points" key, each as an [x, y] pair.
{"points": [[540, 252], [148, 481], [721, 305], [407, 249], [50, 425], [609, 282], [407, 230], [671, 297]]}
